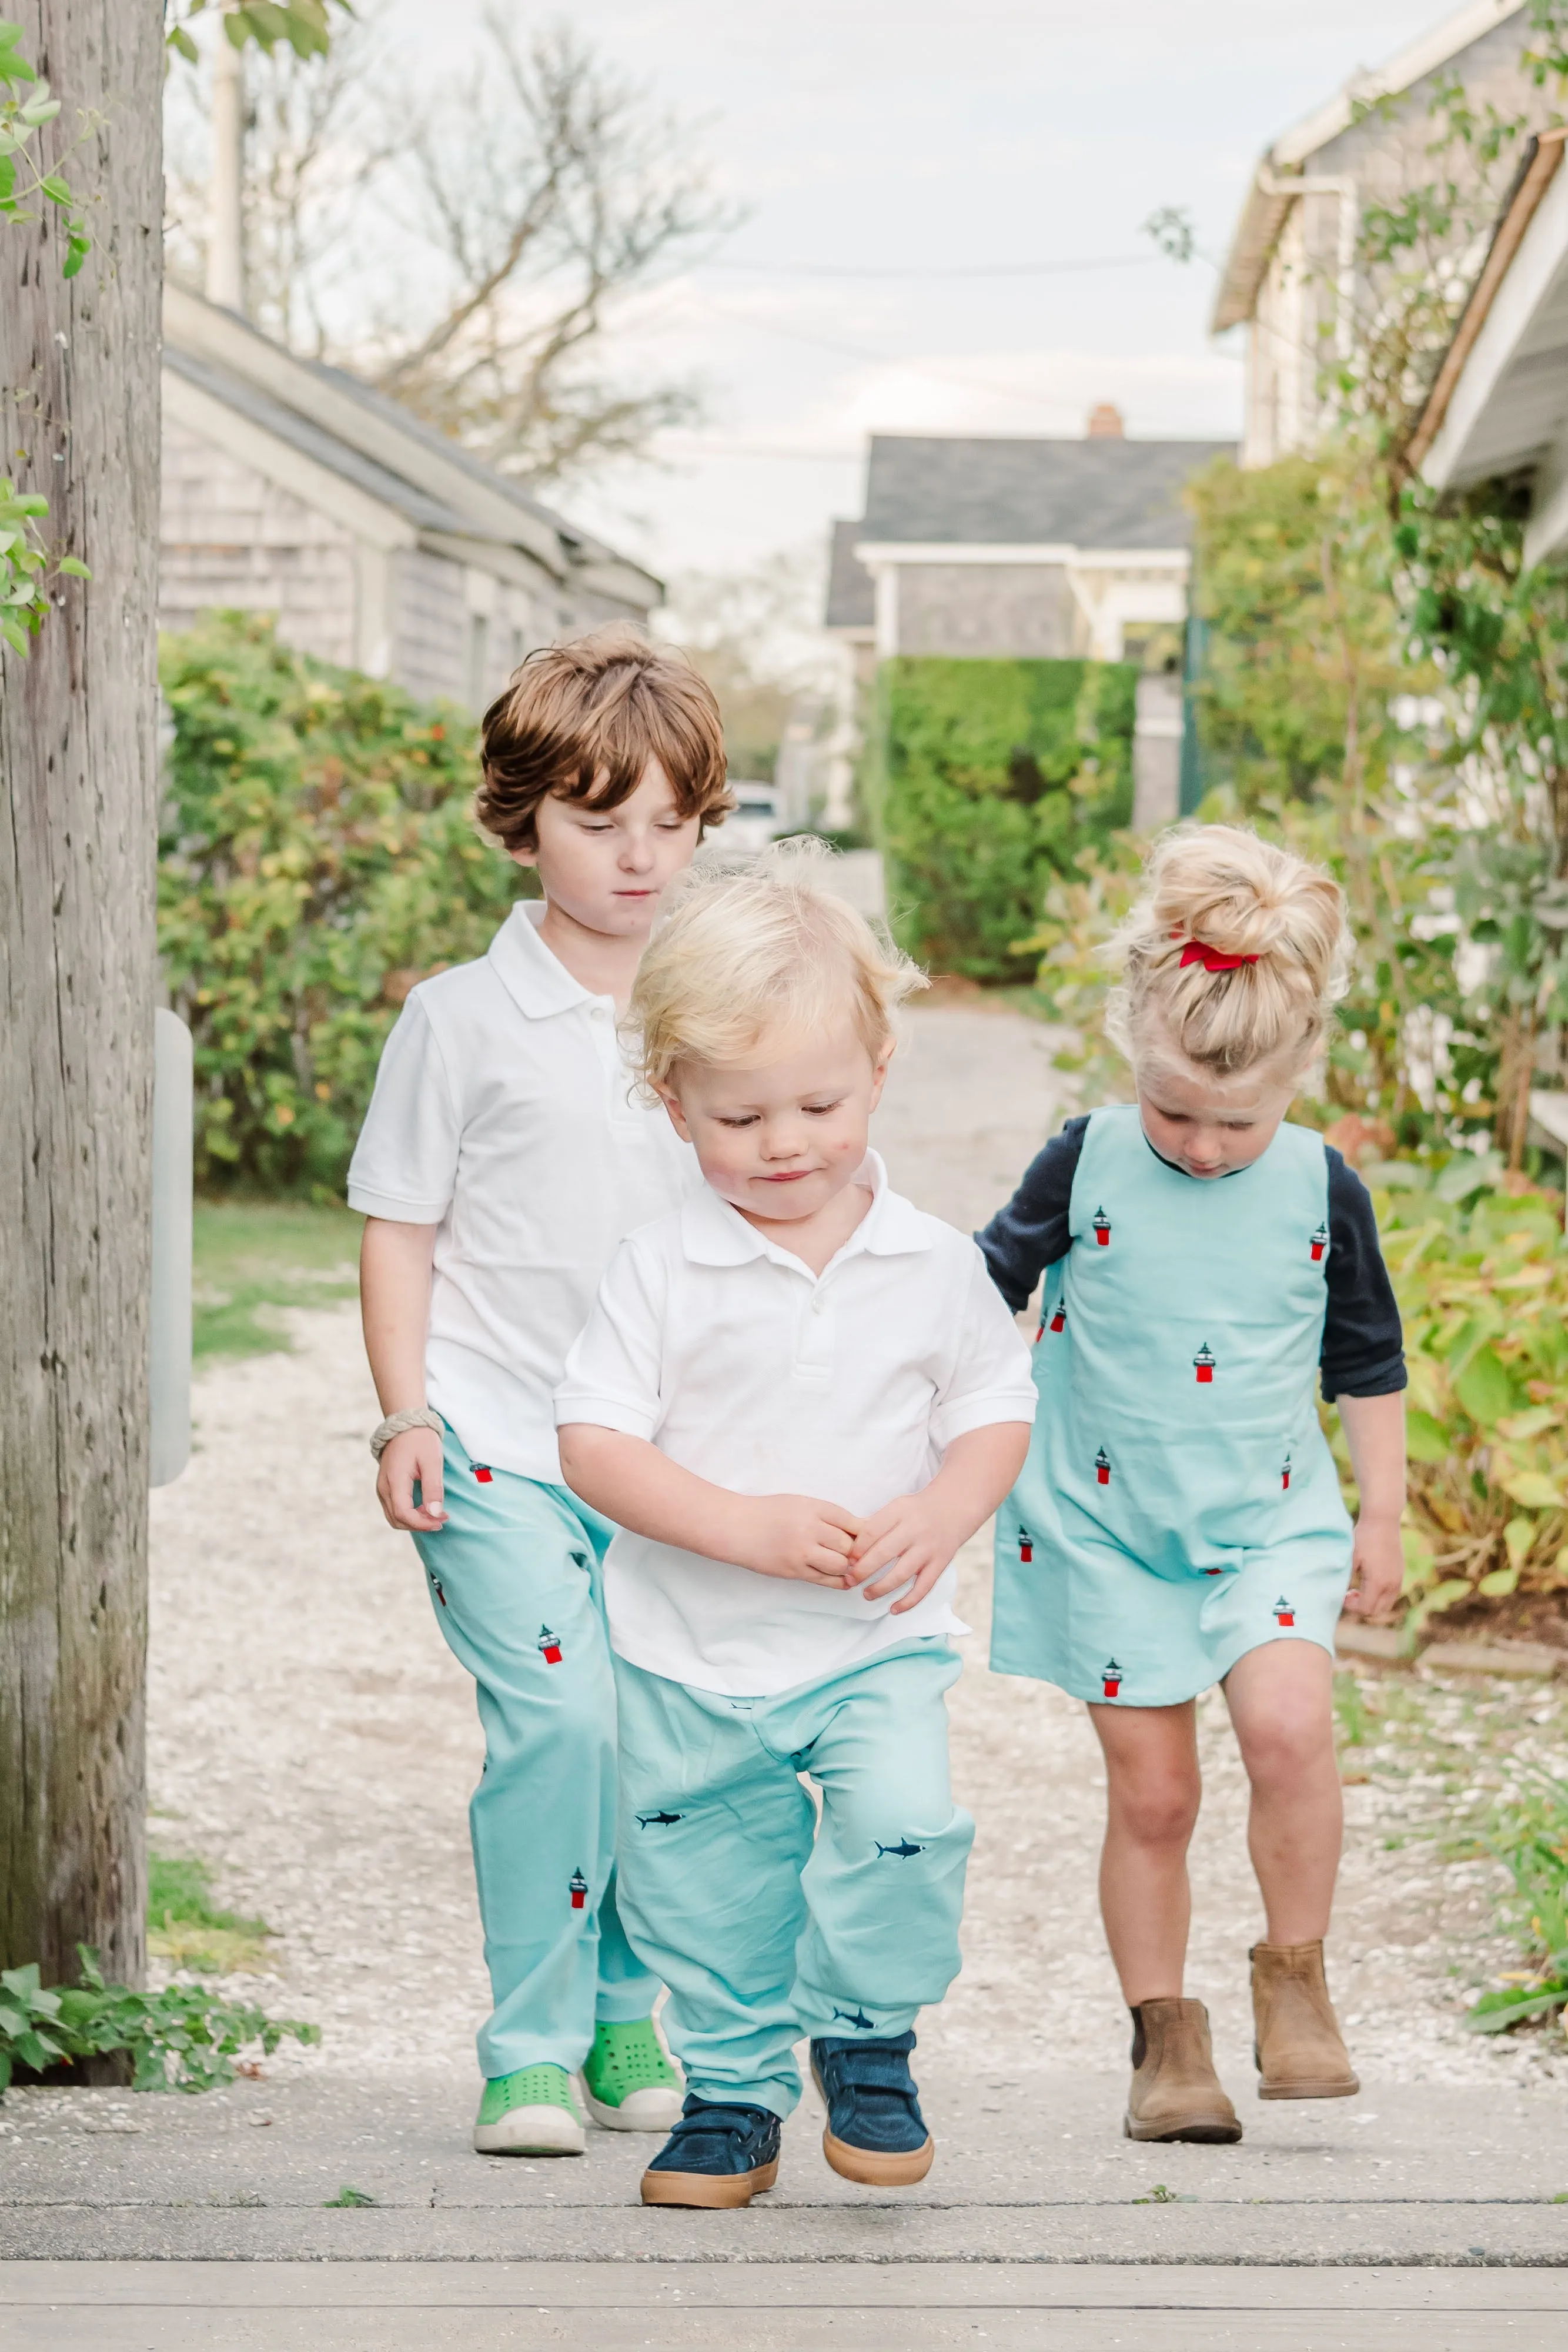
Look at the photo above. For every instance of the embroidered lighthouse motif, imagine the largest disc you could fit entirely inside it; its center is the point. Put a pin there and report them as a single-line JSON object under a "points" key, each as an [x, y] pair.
{"points": [[1111, 1678], [1103, 1467], [1320, 1243], [1058, 1320], [1026, 1546], [1101, 1225], [1284, 1614], [482, 1472], [579, 1886], [1285, 1474], [550, 1646], [1204, 1364]]}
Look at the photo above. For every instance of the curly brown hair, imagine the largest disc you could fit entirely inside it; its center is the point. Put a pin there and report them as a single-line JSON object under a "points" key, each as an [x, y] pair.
{"points": [[582, 720]]}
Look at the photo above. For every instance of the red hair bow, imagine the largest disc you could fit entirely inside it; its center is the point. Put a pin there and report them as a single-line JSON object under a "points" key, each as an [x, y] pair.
{"points": [[1198, 951]]}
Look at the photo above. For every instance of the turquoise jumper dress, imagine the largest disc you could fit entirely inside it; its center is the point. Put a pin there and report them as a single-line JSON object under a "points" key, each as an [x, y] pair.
{"points": [[1179, 1506]]}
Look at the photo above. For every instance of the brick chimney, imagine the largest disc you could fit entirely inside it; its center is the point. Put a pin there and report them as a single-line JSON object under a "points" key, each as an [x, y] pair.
{"points": [[1105, 423]]}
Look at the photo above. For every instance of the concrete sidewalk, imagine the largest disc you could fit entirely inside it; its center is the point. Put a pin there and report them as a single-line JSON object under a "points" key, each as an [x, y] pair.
{"points": [[1033, 2169], [439, 2307]]}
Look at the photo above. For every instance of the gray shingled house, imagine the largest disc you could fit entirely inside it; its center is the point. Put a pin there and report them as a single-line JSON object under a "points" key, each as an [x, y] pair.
{"points": [[293, 488], [1044, 549], [1291, 277]]}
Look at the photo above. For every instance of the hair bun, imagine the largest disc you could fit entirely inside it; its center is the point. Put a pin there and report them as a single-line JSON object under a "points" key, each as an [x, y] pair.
{"points": [[1226, 888]]}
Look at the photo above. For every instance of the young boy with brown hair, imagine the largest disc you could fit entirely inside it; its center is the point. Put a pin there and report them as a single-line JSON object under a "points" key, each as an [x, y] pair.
{"points": [[503, 1159]]}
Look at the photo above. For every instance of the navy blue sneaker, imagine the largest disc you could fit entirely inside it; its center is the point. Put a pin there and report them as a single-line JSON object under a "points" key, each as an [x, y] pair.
{"points": [[875, 2131], [715, 2156]]}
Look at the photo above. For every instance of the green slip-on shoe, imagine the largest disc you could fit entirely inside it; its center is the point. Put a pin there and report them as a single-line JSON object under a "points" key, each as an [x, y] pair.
{"points": [[628, 2080], [530, 2112]]}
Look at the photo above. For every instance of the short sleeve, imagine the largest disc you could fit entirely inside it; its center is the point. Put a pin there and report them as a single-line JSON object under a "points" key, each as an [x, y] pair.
{"points": [[1033, 1231], [613, 1369], [1363, 1343], [404, 1166], [990, 1379]]}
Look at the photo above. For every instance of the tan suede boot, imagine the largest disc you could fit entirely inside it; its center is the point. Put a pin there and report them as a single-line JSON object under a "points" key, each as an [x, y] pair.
{"points": [[1176, 2093], [1299, 2049]]}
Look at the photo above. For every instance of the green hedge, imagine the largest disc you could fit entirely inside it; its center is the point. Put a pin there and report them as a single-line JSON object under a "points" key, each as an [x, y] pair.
{"points": [[987, 779], [317, 857]]}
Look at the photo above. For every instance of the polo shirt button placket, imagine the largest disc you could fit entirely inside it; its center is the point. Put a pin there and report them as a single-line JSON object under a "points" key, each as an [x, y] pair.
{"points": [[814, 1349]]}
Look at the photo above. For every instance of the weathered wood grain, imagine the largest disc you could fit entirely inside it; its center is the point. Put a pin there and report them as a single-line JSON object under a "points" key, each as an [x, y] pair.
{"points": [[78, 411]]}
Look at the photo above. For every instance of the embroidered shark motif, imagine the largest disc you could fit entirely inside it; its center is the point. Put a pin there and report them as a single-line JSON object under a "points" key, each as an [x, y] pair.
{"points": [[866, 2024], [658, 1820], [901, 1850]]}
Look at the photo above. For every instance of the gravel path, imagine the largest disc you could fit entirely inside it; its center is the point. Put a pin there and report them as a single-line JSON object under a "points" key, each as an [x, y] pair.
{"points": [[313, 1739]]}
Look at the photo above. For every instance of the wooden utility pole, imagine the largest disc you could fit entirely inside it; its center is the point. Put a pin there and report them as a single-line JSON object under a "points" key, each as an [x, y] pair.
{"points": [[226, 184], [79, 416]]}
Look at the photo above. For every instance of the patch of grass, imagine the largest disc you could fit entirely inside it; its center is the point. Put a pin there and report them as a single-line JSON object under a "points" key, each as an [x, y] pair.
{"points": [[185, 1928], [252, 1257], [350, 2196]]}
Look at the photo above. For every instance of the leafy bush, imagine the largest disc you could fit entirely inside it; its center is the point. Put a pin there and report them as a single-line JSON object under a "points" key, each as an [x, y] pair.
{"points": [[316, 858], [1481, 1276], [1529, 1834], [990, 780], [185, 2038]]}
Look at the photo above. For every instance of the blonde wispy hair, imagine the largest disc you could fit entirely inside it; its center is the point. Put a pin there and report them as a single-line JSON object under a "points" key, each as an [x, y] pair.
{"points": [[765, 952], [1225, 887]]}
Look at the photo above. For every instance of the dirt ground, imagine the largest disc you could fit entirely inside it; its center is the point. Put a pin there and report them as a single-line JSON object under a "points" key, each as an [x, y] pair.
{"points": [[313, 1739]]}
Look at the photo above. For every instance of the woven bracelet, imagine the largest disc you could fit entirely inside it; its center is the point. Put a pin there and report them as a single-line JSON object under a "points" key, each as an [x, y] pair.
{"points": [[416, 1416]]}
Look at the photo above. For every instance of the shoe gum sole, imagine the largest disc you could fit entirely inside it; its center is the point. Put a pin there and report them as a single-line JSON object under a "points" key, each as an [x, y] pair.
{"points": [[879, 2167], [1205, 2131], [1345, 2088], [710, 2190], [647, 2118]]}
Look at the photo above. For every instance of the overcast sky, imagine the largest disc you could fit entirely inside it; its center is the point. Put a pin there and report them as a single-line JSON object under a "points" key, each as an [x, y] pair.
{"points": [[944, 135]]}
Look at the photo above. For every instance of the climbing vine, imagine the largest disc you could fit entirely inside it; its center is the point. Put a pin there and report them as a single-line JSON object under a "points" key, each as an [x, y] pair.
{"points": [[28, 566]]}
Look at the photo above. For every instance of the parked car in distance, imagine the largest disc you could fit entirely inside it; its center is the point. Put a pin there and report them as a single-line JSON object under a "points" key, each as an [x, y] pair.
{"points": [[752, 822]]}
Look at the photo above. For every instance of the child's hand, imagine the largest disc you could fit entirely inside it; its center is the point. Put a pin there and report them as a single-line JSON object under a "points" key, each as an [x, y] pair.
{"points": [[794, 1536], [917, 1536], [416, 1454], [1378, 1575]]}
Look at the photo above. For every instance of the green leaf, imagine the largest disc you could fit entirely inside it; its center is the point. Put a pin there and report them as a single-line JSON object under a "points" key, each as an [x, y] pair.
{"points": [[57, 189], [75, 567], [24, 1982], [1486, 1388], [181, 41], [1425, 1439], [1534, 1490], [15, 637]]}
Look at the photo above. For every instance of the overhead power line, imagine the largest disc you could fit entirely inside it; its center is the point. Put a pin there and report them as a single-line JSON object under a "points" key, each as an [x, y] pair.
{"points": [[947, 270]]}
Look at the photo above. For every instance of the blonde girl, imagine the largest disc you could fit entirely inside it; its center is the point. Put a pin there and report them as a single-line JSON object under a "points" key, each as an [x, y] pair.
{"points": [[1178, 1522]]}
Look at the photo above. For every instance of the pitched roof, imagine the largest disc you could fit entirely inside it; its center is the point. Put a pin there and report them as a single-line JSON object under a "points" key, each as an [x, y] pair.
{"points": [[851, 592], [302, 434], [1268, 201], [1500, 402], [985, 492], [376, 444]]}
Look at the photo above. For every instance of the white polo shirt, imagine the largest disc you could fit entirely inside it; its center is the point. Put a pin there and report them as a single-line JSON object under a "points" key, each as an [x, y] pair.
{"points": [[503, 1114], [739, 1363]]}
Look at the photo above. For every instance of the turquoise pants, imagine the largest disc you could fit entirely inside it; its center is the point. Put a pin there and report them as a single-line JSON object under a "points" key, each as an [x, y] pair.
{"points": [[514, 1581], [765, 1925]]}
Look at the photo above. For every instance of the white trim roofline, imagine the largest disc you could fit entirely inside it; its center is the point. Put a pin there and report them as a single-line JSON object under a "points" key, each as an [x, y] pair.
{"points": [[1418, 58], [1266, 203], [876, 552]]}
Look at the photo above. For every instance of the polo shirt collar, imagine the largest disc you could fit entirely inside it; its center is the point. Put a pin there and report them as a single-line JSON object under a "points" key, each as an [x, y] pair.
{"points": [[537, 984], [714, 1234]]}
